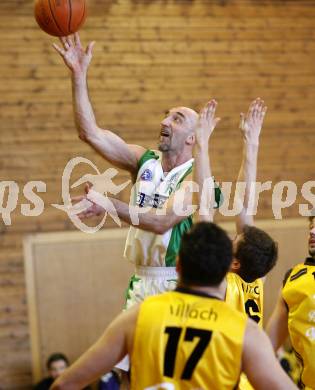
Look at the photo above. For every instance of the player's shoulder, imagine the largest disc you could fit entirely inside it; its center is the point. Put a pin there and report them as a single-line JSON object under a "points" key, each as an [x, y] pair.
{"points": [[148, 155], [228, 308], [234, 282], [160, 303], [157, 299], [286, 276], [131, 314], [233, 277], [297, 271], [232, 321]]}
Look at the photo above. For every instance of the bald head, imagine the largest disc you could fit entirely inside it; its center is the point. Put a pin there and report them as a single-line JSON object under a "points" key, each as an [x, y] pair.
{"points": [[191, 116], [177, 130]]}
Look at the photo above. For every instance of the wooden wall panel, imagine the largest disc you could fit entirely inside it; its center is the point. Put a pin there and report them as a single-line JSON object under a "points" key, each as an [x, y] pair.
{"points": [[70, 281], [150, 55]]}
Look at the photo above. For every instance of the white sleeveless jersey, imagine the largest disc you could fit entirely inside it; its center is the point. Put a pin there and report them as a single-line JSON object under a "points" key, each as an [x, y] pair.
{"points": [[153, 189]]}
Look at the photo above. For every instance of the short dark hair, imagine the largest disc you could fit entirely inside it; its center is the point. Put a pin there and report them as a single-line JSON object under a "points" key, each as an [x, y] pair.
{"points": [[56, 357], [205, 255], [257, 253]]}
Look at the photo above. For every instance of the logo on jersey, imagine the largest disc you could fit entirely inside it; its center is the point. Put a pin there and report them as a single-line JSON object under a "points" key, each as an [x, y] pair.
{"points": [[311, 316], [156, 201], [184, 310], [310, 334], [250, 289], [147, 175]]}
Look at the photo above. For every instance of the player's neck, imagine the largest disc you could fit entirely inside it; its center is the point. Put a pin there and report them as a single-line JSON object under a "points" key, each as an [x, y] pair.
{"points": [[215, 291], [170, 160]]}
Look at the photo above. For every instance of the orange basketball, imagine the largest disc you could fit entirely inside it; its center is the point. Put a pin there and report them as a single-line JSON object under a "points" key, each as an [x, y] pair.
{"points": [[60, 17]]}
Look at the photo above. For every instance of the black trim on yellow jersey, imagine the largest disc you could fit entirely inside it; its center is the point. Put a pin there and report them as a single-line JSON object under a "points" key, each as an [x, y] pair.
{"points": [[186, 290], [308, 261], [285, 279], [286, 276], [302, 271]]}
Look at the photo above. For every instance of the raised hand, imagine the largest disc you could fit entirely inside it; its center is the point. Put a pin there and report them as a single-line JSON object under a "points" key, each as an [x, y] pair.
{"points": [[251, 123], [75, 57], [206, 123], [92, 209]]}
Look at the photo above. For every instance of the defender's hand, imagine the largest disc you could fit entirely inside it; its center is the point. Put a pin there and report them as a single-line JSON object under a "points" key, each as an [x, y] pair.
{"points": [[206, 123], [251, 123]]}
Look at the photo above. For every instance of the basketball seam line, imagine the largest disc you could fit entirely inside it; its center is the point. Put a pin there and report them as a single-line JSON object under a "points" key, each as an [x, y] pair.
{"points": [[53, 16], [70, 15], [83, 14]]}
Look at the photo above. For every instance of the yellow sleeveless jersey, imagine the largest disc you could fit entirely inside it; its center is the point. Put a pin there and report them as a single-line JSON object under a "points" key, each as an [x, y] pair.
{"points": [[246, 298], [186, 340], [299, 295]]}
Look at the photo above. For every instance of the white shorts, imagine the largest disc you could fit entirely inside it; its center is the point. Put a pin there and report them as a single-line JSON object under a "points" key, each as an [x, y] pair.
{"points": [[147, 281]]}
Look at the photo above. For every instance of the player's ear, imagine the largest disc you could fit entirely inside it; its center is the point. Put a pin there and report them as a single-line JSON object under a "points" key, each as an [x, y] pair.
{"points": [[235, 265], [190, 140]]}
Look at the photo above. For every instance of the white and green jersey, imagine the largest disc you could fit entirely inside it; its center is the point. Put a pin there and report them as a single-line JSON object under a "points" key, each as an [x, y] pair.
{"points": [[153, 188]]}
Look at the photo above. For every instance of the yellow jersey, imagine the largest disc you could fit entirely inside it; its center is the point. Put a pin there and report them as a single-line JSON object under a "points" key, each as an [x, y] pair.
{"points": [[299, 295], [246, 298], [187, 340]]}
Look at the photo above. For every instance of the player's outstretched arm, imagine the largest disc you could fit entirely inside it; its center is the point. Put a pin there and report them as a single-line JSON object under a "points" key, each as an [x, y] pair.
{"points": [[277, 328], [250, 125], [158, 221], [202, 169], [178, 207], [108, 144], [115, 343], [259, 361]]}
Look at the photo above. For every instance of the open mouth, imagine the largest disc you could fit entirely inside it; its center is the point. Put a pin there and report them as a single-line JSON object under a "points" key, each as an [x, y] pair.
{"points": [[165, 132]]}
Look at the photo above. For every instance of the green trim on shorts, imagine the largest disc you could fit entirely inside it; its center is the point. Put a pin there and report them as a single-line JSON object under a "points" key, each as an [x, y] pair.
{"points": [[132, 280]]}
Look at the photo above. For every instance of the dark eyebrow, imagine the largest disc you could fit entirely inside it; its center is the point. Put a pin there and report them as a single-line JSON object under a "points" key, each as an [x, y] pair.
{"points": [[180, 114], [176, 112]]}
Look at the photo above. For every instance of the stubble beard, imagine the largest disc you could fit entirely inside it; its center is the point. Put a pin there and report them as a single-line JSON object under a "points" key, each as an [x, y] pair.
{"points": [[164, 148]]}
